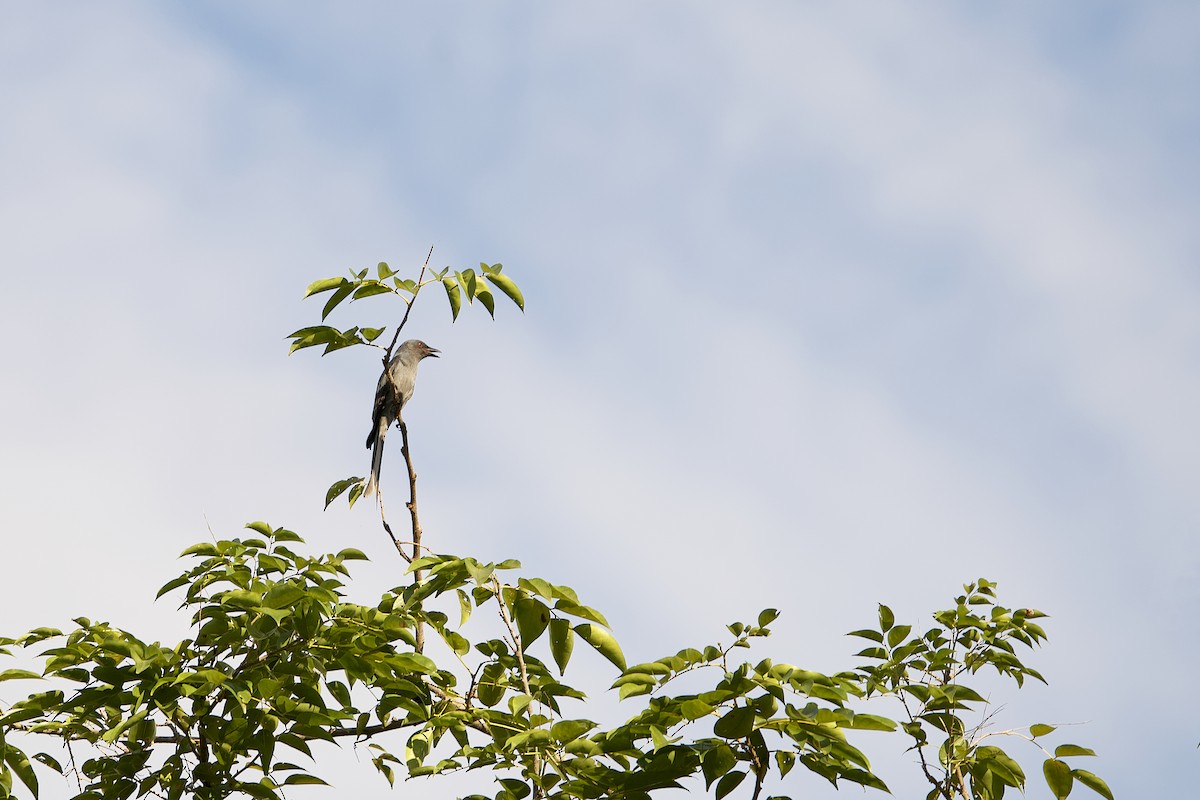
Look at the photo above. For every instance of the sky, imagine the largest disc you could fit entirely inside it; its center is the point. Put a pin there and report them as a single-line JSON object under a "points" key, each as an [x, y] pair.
{"points": [[827, 305]]}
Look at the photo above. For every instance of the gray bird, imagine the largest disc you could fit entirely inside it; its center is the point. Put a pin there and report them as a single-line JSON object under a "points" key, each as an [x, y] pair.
{"points": [[395, 389]]}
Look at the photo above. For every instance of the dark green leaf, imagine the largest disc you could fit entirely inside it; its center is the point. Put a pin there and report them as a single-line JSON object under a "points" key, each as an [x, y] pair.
{"points": [[336, 489], [736, 724], [1040, 730], [729, 783], [717, 762], [489, 689]]}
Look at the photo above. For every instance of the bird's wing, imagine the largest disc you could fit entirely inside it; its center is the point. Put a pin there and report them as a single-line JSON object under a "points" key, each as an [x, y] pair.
{"points": [[383, 408]]}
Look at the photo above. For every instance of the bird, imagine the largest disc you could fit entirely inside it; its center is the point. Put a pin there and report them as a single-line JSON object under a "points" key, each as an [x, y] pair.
{"points": [[394, 390]]}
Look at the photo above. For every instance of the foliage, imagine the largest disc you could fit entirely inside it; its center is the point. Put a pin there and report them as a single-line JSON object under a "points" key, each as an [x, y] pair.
{"points": [[279, 658], [924, 672]]}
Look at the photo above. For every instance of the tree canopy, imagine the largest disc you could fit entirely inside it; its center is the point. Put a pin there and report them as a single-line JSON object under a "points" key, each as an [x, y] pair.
{"points": [[278, 659]]}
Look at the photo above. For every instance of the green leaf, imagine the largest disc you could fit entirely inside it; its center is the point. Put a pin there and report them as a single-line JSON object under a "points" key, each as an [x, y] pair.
{"points": [[21, 766], [1058, 777], [506, 285], [490, 690], [532, 617], [282, 595], [886, 618], [871, 722], [303, 779], [898, 634], [658, 739], [716, 762], [484, 296], [384, 271], [1040, 730], [370, 289], [336, 489], [603, 642], [583, 612], [466, 279], [562, 642], [874, 636], [18, 674], [736, 724], [454, 295], [1092, 782], [695, 709], [464, 607], [335, 299], [571, 729], [729, 783], [200, 549], [1067, 750], [324, 285], [173, 584]]}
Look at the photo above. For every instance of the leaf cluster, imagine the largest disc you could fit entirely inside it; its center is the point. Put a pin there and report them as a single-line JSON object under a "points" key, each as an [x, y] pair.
{"points": [[927, 673], [469, 284]]}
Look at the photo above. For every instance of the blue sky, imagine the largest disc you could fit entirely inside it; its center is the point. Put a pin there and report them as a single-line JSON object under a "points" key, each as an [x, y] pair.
{"points": [[827, 305]]}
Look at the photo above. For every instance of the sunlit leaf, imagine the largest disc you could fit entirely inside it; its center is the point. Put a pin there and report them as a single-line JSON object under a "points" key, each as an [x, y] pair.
{"points": [[324, 285], [562, 642], [454, 295], [506, 285], [1092, 782], [1058, 777], [603, 642]]}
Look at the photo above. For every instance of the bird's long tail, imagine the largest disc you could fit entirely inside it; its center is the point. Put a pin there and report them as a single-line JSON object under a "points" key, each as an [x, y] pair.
{"points": [[376, 457]]}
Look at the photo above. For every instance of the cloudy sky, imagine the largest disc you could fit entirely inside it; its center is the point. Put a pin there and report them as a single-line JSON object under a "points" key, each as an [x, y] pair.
{"points": [[827, 305]]}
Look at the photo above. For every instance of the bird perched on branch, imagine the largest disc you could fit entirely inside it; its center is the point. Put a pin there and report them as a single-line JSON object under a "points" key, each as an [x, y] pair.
{"points": [[394, 390]]}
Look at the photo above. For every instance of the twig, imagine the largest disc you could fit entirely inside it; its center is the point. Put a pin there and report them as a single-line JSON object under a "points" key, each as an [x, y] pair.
{"points": [[387, 356], [383, 518], [519, 650], [412, 475], [416, 523]]}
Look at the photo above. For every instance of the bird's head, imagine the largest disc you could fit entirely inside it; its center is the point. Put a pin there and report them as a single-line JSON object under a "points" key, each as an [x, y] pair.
{"points": [[418, 349]]}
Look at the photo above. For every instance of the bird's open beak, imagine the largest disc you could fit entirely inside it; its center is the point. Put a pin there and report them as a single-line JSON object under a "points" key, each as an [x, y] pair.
{"points": [[432, 352]]}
